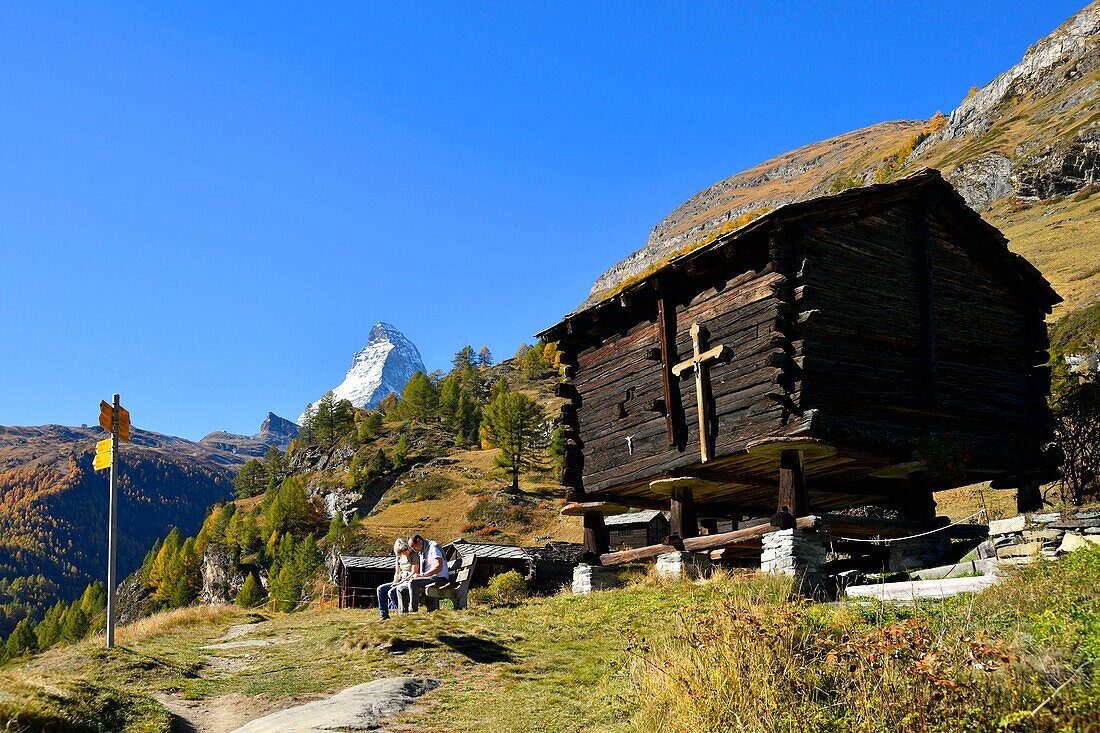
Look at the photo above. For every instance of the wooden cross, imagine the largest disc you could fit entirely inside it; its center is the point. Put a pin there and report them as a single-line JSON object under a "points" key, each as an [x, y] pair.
{"points": [[696, 364]]}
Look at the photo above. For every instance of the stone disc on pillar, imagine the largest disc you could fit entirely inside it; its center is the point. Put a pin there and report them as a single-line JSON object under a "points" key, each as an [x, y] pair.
{"points": [[579, 509], [665, 486], [772, 448]]}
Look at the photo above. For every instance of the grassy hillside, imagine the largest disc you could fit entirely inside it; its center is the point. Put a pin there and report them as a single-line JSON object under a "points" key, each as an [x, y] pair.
{"points": [[446, 491], [53, 513], [1020, 143], [730, 653], [1062, 238]]}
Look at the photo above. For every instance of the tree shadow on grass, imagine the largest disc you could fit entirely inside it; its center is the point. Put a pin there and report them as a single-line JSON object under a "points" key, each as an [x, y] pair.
{"points": [[477, 650]]}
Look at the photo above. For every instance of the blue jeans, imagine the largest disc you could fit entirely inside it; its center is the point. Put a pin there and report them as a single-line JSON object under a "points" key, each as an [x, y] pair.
{"points": [[384, 599]]}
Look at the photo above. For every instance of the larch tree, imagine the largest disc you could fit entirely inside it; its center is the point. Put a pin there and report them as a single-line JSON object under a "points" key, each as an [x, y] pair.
{"points": [[513, 422]]}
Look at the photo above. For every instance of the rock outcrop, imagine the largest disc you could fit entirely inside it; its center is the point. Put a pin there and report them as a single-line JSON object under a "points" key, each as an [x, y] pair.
{"points": [[1032, 132], [384, 365], [277, 431]]}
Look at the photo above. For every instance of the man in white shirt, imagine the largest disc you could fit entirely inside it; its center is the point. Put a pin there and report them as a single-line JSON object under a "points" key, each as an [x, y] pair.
{"points": [[433, 569]]}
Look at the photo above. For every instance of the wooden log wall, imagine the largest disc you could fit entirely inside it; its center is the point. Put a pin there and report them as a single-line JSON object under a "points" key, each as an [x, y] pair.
{"points": [[885, 369], [619, 381]]}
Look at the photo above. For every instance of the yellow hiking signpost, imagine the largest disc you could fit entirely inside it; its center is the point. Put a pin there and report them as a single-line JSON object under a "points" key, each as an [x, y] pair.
{"points": [[102, 454], [115, 419]]}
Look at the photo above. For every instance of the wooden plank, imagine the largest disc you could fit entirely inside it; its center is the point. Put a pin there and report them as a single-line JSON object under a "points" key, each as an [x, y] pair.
{"points": [[703, 543]]}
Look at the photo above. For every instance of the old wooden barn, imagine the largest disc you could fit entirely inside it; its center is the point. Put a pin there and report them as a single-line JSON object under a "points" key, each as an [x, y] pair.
{"points": [[807, 363], [636, 529]]}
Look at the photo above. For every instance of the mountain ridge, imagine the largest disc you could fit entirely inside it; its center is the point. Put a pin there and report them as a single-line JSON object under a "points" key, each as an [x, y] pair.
{"points": [[383, 366], [1026, 138]]}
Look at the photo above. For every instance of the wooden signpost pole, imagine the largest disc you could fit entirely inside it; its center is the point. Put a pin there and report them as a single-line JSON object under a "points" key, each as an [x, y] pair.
{"points": [[112, 528], [115, 419]]}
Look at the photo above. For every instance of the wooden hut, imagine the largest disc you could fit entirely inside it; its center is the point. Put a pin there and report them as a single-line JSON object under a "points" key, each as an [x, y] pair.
{"points": [[636, 529], [491, 559], [358, 578], [810, 361]]}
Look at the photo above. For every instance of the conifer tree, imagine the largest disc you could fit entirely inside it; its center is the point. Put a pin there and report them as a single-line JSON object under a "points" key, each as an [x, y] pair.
{"points": [[94, 599], [233, 533], [75, 625], [449, 390], [291, 510], [534, 366], [336, 529], [419, 400], [485, 358], [188, 578], [167, 551], [286, 588], [251, 480], [251, 594], [48, 630], [378, 464], [22, 640], [370, 427], [401, 451], [147, 563], [513, 422]]}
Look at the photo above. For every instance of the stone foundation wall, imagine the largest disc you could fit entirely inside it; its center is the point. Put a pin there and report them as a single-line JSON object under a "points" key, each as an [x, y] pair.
{"points": [[1027, 537]]}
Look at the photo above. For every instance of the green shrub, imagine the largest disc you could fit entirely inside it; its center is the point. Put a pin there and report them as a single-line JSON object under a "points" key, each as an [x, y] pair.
{"points": [[506, 589]]}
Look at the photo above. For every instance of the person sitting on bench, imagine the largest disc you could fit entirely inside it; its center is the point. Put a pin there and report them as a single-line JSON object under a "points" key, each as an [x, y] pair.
{"points": [[433, 570], [407, 563]]}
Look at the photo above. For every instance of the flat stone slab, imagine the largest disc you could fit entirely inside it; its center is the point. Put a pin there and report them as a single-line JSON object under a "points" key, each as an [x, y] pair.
{"points": [[1076, 523], [1046, 518], [970, 568], [1072, 542], [1044, 535], [1008, 526], [1024, 549], [907, 592], [362, 707]]}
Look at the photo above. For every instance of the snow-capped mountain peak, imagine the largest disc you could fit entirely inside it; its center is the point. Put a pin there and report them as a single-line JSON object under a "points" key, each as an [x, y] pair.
{"points": [[384, 365]]}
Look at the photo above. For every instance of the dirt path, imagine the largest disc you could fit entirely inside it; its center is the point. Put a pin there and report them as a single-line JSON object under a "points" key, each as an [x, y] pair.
{"points": [[361, 707], [215, 714]]}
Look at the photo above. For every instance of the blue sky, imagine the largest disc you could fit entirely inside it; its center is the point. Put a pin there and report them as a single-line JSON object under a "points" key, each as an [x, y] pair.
{"points": [[206, 208]]}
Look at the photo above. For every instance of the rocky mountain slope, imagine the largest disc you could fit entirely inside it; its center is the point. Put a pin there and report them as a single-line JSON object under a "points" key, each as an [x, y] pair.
{"points": [[1014, 148], [274, 431], [53, 506], [384, 365], [277, 431]]}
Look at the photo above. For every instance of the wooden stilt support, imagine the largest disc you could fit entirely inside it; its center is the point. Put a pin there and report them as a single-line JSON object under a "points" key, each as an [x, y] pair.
{"points": [[1029, 498], [596, 539], [682, 519], [918, 503], [792, 484]]}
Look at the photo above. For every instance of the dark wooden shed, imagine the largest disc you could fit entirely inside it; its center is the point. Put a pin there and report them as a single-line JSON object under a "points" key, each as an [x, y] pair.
{"points": [[491, 559], [636, 529], [358, 578], [809, 361]]}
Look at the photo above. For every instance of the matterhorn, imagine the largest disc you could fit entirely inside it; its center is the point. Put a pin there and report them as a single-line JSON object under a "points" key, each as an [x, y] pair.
{"points": [[384, 365]]}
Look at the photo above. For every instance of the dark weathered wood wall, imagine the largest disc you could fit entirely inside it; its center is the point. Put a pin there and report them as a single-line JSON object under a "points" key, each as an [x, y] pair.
{"points": [[867, 361], [619, 372]]}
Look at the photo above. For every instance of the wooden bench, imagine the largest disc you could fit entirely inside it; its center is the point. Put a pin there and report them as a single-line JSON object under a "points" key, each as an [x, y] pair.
{"points": [[462, 570]]}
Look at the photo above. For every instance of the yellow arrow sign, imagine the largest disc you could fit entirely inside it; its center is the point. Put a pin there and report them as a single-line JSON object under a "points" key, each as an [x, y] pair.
{"points": [[102, 455], [105, 421]]}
